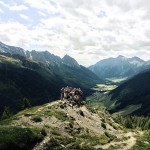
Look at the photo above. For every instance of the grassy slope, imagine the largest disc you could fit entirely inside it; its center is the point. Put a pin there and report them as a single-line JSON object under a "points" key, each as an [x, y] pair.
{"points": [[80, 77], [134, 92], [143, 142]]}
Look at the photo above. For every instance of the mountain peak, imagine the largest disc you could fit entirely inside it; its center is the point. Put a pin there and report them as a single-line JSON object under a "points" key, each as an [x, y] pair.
{"points": [[68, 60], [11, 49], [120, 56], [135, 58]]}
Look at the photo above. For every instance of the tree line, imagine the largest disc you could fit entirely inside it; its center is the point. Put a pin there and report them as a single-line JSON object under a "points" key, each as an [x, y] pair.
{"points": [[134, 122], [6, 113]]}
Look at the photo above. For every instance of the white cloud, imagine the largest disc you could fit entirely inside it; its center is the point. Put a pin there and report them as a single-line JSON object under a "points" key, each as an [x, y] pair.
{"points": [[3, 4], [42, 13], [18, 8], [1, 11], [24, 16], [42, 5], [14, 7], [14, 33], [90, 30]]}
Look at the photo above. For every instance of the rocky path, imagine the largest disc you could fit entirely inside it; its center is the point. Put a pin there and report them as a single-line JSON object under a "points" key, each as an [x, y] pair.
{"points": [[125, 144]]}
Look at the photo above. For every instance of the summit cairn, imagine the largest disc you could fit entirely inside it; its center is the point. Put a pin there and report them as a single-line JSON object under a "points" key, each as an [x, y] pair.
{"points": [[72, 95]]}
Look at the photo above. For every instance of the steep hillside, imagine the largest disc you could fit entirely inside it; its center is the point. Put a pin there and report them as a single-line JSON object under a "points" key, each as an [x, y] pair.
{"points": [[66, 68], [135, 91], [58, 126], [21, 78], [119, 67], [131, 97]]}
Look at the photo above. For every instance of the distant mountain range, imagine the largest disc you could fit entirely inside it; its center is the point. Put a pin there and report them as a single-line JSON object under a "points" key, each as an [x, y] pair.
{"points": [[40, 56], [119, 67], [38, 76]]}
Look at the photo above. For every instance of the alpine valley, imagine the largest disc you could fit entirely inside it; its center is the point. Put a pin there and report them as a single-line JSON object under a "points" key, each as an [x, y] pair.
{"points": [[113, 114]]}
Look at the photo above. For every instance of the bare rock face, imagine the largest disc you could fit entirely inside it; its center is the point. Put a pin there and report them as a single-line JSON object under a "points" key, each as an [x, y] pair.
{"points": [[70, 61]]}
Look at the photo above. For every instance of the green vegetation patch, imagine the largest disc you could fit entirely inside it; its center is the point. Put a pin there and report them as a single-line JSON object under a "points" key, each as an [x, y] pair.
{"points": [[60, 115], [66, 143], [77, 142], [93, 140], [55, 131], [37, 119], [143, 142], [13, 61], [133, 122], [18, 138], [29, 110], [9, 120], [95, 107]]}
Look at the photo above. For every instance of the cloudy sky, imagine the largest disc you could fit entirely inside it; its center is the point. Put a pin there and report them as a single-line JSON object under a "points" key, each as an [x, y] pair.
{"points": [[88, 30]]}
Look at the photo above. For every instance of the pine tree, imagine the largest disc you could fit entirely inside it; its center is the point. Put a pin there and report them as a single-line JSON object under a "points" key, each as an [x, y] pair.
{"points": [[6, 113], [26, 103]]}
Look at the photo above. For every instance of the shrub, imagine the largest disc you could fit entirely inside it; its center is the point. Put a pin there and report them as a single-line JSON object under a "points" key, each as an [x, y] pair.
{"points": [[37, 119], [6, 113], [55, 132], [81, 113], [43, 132], [103, 125], [18, 138], [26, 103]]}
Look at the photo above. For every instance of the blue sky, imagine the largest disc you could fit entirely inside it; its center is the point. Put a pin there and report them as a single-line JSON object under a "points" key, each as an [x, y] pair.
{"points": [[88, 30]]}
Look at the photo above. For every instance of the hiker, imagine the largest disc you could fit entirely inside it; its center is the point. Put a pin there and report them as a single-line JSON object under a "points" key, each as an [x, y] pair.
{"points": [[66, 92], [62, 94], [80, 92], [76, 91], [73, 95], [77, 99], [70, 96]]}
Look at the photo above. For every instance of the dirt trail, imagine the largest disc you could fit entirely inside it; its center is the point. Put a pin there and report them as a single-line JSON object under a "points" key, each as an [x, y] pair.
{"points": [[121, 145], [39, 146]]}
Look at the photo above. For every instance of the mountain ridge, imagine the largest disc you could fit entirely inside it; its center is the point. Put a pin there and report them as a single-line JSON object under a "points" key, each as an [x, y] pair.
{"points": [[134, 91], [119, 67]]}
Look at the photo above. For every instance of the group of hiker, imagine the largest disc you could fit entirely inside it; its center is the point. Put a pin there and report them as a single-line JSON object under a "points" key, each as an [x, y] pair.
{"points": [[73, 95]]}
